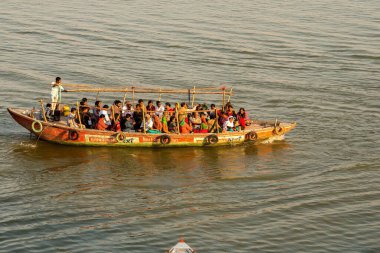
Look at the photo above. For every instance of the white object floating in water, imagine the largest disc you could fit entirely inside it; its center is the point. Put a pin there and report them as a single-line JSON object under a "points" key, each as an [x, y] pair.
{"points": [[181, 247]]}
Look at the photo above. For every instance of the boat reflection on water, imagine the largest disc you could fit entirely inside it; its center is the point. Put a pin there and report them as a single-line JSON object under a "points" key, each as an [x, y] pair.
{"points": [[202, 163]]}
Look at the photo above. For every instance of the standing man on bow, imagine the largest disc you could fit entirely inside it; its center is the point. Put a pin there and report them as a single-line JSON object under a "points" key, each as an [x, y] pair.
{"points": [[56, 90]]}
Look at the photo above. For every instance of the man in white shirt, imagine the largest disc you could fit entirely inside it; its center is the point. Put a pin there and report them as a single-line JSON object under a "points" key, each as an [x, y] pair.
{"points": [[104, 111], [56, 89], [159, 109], [127, 109]]}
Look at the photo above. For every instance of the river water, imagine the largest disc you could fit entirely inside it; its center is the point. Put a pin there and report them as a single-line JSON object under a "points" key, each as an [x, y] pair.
{"points": [[313, 62]]}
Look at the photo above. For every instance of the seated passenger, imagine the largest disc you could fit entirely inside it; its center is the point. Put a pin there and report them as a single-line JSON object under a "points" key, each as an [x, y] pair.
{"points": [[128, 123], [204, 125], [196, 122], [104, 112], [116, 123], [211, 113], [157, 125], [243, 119], [229, 125], [84, 101], [148, 123], [159, 109], [86, 117], [128, 109], [97, 109], [185, 128], [116, 108], [71, 118], [222, 118], [101, 125], [48, 113], [137, 118], [169, 109], [230, 110], [150, 108], [172, 126]]}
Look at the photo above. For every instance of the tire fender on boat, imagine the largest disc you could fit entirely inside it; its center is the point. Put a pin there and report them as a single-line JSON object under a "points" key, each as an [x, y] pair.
{"points": [[252, 136], [40, 127], [165, 139], [212, 139], [73, 135], [278, 130], [120, 137]]}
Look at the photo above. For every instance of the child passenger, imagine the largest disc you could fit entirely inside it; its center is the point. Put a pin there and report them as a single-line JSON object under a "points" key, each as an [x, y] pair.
{"points": [[104, 112], [71, 118], [229, 124], [128, 123], [101, 125]]}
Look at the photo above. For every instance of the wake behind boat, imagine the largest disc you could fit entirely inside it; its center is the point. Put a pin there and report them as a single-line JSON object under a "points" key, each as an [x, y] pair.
{"points": [[215, 126]]}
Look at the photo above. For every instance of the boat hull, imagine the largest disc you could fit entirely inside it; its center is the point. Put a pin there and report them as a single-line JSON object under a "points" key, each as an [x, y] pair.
{"points": [[59, 133]]}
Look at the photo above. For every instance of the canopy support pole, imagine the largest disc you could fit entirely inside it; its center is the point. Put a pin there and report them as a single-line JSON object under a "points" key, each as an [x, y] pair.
{"points": [[177, 117], [43, 110], [229, 95], [224, 98], [144, 119], [80, 120], [192, 102]]}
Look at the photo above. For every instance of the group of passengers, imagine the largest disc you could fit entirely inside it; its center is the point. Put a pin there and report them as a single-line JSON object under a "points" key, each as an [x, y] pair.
{"points": [[158, 118]]}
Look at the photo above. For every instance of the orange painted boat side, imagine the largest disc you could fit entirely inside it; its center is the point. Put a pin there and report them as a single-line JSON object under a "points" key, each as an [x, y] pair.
{"points": [[59, 133]]}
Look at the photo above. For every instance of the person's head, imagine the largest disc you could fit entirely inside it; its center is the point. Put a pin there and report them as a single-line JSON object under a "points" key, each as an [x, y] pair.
{"points": [[172, 118], [105, 107], [48, 105], [73, 110], [57, 80], [141, 102], [195, 114], [117, 117], [183, 104], [150, 103], [167, 105], [84, 100], [212, 106], [102, 116], [128, 116], [147, 117], [203, 118], [231, 119], [138, 107], [128, 104], [241, 110], [158, 103], [98, 103], [117, 103]]}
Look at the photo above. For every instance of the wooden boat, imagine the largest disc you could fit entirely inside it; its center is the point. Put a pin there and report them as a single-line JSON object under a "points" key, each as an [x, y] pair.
{"points": [[181, 247], [58, 132]]}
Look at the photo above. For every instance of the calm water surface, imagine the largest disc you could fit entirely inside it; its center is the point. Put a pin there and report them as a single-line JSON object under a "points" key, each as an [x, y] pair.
{"points": [[316, 63]]}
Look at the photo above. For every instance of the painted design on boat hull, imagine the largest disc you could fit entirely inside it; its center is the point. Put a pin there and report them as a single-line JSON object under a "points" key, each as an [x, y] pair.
{"points": [[60, 133]]}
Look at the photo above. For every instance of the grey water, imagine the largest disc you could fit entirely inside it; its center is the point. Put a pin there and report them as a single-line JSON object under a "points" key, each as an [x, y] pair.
{"points": [[312, 62]]}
